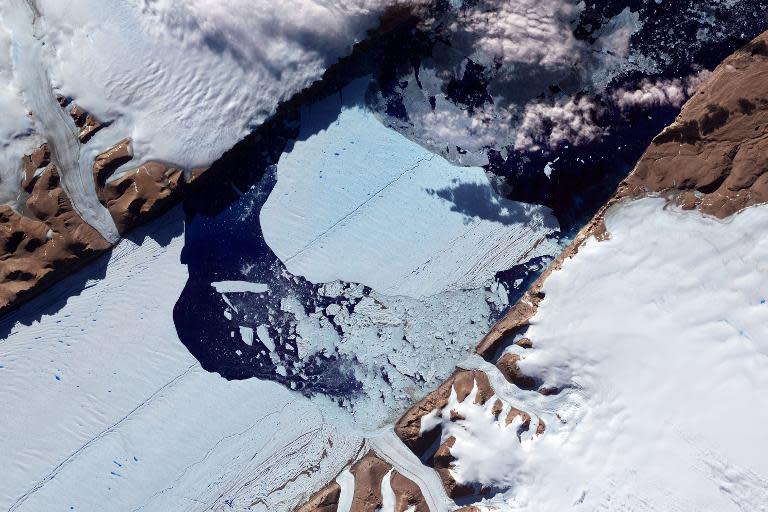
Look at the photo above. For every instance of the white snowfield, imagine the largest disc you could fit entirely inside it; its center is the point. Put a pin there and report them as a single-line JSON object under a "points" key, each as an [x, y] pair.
{"points": [[187, 79], [17, 135], [660, 338], [356, 201], [104, 408]]}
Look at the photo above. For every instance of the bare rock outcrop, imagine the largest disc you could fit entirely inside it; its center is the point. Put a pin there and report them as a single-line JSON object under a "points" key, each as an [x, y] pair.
{"points": [[324, 500], [87, 123], [142, 193], [44, 239], [714, 157], [408, 427], [48, 241], [368, 473], [106, 163]]}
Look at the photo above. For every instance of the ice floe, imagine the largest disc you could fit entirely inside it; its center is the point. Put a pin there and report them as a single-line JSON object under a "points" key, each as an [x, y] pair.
{"points": [[358, 202]]}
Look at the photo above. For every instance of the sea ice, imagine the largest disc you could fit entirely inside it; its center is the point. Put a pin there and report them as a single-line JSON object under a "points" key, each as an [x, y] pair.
{"points": [[358, 202]]}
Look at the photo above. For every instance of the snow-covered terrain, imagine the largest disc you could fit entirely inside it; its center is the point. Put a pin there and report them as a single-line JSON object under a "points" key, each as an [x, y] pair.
{"points": [[356, 201], [17, 136], [183, 80], [187, 80], [658, 338], [104, 408]]}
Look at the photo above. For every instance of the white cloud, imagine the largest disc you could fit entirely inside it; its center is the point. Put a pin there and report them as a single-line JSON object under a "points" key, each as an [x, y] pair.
{"points": [[546, 125], [280, 36], [17, 135], [524, 31], [661, 92], [471, 131], [525, 47], [188, 79]]}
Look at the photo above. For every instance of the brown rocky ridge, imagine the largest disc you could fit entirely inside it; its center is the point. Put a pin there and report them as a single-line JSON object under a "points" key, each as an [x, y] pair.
{"points": [[324, 500], [45, 239], [140, 193], [87, 123], [714, 157], [368, 473], [408, 427]]}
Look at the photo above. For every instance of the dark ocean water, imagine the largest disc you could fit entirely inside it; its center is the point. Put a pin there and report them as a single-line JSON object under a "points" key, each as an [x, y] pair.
{"points": [[223, 235]]}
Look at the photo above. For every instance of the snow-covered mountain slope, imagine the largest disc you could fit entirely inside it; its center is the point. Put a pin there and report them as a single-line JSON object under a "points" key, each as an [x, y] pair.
{"points": [[104, 409]]}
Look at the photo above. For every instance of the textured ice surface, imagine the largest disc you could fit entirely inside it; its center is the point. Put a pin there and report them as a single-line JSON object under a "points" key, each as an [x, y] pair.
{"points": [[395, 274], [659, 337], [358, 202], [104, 408], [186, 80], [405, 275]]}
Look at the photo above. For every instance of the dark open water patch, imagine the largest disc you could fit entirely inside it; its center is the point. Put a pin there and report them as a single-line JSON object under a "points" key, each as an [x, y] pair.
{"points": [[680, 37], [224, 241], [229, 246], [582, 178]]}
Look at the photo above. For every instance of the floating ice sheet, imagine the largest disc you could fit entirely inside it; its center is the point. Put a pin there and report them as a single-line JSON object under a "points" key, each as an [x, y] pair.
{"points": [[358, 202]]}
